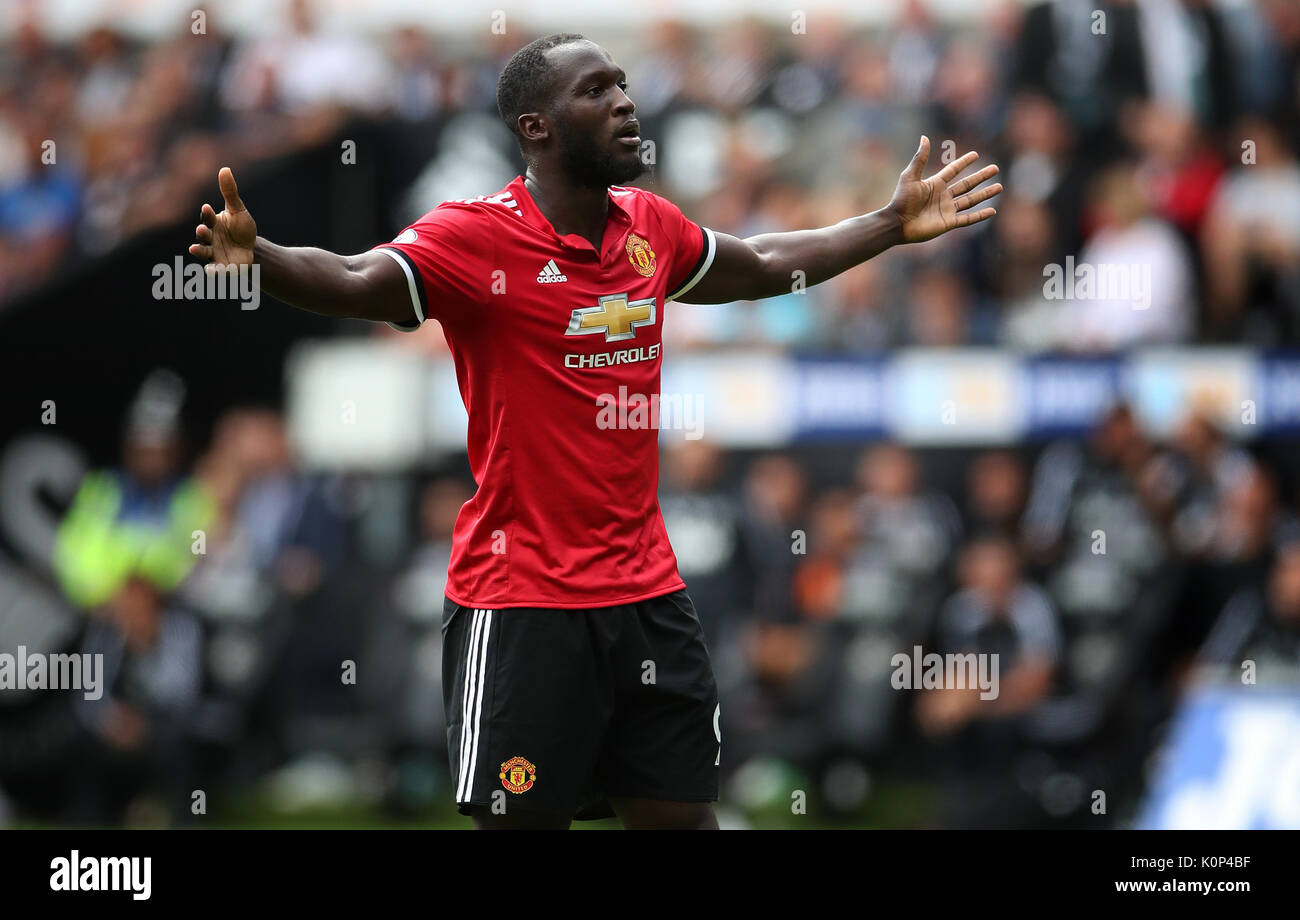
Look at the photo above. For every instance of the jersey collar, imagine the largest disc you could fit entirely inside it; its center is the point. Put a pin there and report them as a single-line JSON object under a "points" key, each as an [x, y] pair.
{"points": [[618, 217]]}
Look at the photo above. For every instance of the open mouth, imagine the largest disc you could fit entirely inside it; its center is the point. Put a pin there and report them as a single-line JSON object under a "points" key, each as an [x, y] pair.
{"points": [[630, 135]]}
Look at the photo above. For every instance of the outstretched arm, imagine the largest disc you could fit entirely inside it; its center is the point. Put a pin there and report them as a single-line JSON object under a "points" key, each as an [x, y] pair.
{"points": [[921, 209], [365, 286]]}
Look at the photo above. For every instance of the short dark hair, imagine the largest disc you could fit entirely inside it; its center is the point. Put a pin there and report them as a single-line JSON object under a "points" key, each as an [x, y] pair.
{"points": [[526, 82]]}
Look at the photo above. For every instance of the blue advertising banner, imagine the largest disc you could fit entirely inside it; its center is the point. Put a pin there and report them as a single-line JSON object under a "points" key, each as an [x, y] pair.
{"points": [[1232, 761]]}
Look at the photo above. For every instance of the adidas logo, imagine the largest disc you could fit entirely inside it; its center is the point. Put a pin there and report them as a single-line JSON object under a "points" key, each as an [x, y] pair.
{"points": [[551, 274]]}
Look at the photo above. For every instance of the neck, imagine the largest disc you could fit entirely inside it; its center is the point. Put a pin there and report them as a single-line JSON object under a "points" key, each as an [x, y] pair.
{"points": [[569, 208]]}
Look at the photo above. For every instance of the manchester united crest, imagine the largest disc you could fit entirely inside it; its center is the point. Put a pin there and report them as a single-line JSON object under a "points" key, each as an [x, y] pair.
{"points": [[640, 255], [518, 775]]}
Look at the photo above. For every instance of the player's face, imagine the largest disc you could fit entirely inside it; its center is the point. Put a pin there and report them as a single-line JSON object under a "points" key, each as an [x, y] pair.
{"points": [[598, 136]]}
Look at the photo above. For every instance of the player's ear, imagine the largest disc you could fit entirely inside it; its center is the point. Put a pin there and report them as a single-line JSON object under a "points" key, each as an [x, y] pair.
{"points": [[534, 126]]}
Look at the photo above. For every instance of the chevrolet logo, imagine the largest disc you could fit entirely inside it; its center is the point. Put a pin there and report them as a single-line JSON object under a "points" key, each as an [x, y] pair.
{"points": [[615, 315]]}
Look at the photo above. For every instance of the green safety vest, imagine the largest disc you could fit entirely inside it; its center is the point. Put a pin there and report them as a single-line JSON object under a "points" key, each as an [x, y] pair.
{"points": [[95, 553]]}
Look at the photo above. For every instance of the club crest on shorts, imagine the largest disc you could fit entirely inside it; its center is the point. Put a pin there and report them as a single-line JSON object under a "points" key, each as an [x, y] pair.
{"points": [[518, 775], [640, 255]]}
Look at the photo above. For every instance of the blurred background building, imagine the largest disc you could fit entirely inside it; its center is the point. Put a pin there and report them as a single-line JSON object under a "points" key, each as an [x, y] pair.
{"points": [[959, 445]]}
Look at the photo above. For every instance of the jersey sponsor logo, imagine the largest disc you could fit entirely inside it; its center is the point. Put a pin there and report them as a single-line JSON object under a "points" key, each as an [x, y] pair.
{"points": [[610, 358], [551, 274], [518, 775], [614, 315], [406, 236], [640, 255]]}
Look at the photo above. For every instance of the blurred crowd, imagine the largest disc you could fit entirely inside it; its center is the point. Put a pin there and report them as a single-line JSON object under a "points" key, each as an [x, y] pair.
{"points": [[1106, 574], [274, 633], [1152, 133]]}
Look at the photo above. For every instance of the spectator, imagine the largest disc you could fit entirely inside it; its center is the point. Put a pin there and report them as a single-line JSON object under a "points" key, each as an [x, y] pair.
{"points": [[998, 615], [1178, 165], [39, 210], [907, 536], [1260, 625], [1188, 481], [141, 761], [142, 518], [775, 490], [1143, 289], [939, 311], [1251, 242], [703, 522], [996, 489], [306, 68], [419, 589], [995, 613]]}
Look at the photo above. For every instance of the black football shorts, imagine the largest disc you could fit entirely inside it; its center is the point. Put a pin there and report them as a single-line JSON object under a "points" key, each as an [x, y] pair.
{"points": [[556, 711]]}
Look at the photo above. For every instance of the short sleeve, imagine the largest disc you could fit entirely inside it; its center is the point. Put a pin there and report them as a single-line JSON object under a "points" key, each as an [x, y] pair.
{"points": [[1035, 622], [439, 255], [693, 248]]}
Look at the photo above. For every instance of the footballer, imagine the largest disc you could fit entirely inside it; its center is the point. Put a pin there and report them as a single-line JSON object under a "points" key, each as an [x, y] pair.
{"points": [[576, 677]]}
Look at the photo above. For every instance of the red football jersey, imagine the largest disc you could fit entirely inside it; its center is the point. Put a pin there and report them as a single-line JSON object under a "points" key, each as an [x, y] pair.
{"points": [[544, 330]]}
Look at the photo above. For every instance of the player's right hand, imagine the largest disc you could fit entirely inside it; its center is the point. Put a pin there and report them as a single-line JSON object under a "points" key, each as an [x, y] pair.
{"points": [[227, 238]]}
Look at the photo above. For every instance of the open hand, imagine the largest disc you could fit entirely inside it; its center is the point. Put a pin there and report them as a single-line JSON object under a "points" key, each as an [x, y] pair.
{"points": [[929, 207]]}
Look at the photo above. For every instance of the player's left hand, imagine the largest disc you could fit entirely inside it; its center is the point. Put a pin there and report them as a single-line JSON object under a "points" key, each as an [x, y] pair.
{"points": [[929, 207]]}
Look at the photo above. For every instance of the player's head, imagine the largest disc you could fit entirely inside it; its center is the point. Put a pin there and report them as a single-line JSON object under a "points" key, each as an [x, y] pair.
{"points": [[564, 98]]}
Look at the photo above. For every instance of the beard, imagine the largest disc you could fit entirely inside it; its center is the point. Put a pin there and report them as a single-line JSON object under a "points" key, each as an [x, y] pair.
{"points": [[586, 164]]}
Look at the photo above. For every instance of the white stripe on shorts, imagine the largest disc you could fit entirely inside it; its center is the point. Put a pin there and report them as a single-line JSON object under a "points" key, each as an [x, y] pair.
{"points": [[472, 702]]}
